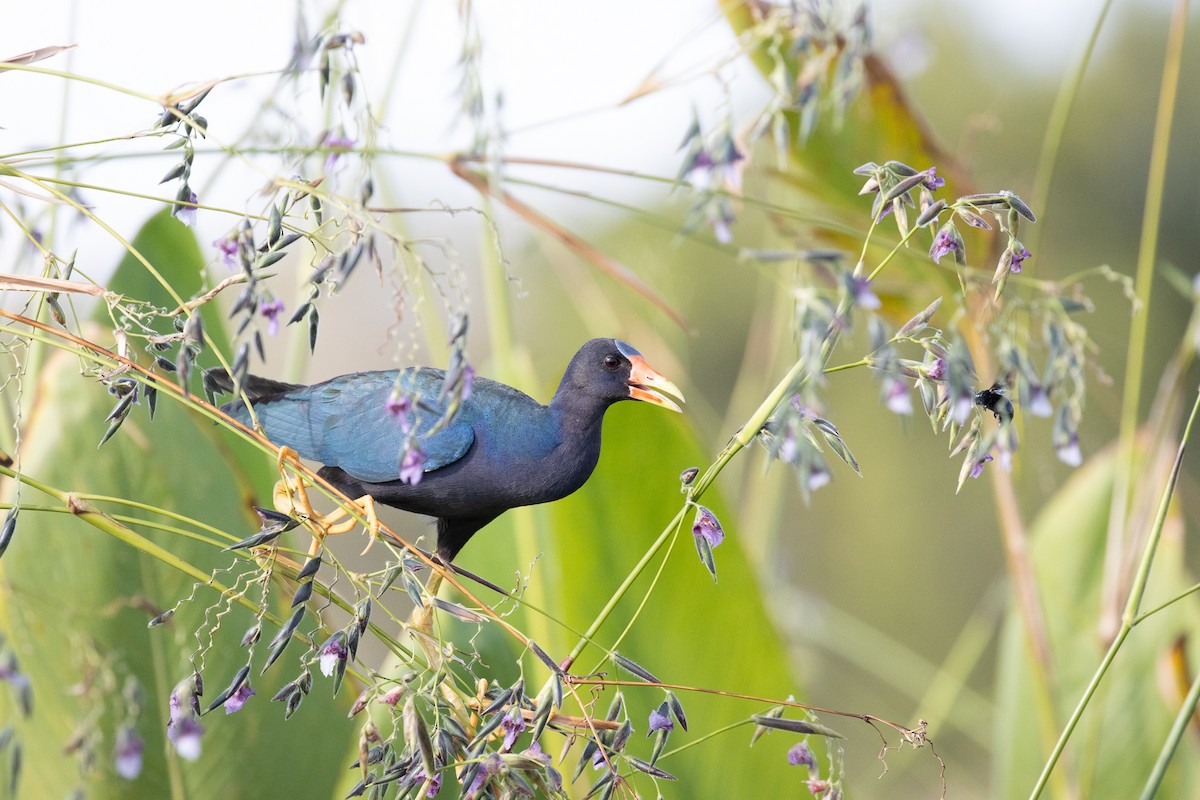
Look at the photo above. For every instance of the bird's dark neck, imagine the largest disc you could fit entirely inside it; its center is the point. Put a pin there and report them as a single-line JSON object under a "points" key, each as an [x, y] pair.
{"points": [[578, 419], [578, 415]]}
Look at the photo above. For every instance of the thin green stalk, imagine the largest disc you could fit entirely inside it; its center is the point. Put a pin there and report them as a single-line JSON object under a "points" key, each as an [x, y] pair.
{"points": [[1114, 561], [1130, 617], [121, 533], [620, 591], [1185, 593], [1077, 714], [633, 618], [702, 739], [112, 87], [1182, 720], [1160, 519], [1057, 123], [887, 259]]}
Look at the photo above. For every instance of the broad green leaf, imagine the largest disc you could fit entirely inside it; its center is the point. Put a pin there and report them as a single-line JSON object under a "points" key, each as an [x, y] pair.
{"points": [[1122, 731], [75, 602]]}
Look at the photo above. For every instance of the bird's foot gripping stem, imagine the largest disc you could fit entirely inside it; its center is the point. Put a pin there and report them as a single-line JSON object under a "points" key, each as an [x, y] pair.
{"points": [[291, 497]]}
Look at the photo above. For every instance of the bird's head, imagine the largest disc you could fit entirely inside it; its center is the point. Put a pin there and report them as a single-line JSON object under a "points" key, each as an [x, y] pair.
{"points": [[612, 370], [644, 381]]}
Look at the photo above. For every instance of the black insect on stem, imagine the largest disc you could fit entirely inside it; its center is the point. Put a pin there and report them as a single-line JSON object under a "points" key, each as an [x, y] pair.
{"points": [[995, 400]]}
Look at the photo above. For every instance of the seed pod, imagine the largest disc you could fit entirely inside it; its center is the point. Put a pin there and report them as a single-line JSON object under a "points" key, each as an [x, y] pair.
{"points": [[677, 710], [465, 614], [269, 258], [650, 769], [302, 594], [301, 312], [174, 172], [904, 186], [274, 224], [901, 168], [616, 706], [362, 613], [604, 783], [162, 618], [930, 214], [288, 239], [1018, 205], [56, 311], [309, 569], [415, 732], [631, 666], [498, 704], [293, 703], [9, 528], [252, 635], [230, 690], [795, 726], [313, 322]]}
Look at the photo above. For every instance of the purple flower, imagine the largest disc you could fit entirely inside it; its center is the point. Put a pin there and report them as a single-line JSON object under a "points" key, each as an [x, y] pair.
{"points": [[331, 653], [1039, 401], [271, 310], [804, 411], [707, 527], [417, 777], [947, 241], [486, 770], [185, 733], [977, 467], [186, 213], [400, 407], [699, 172], [11, 673], [818, 476], [730, 164], [127, 753], [660, 722], [1016, 253], [398, 404], [721, 218], [936, 370], [1067, 449], [412, 465], [184, 699], [932, 182], [802, 755], [512, 725], [468, 379], [861, 293], [239, 698], [336, 146], [895, 391], [536, 752], [228, 247], [963, 404]]}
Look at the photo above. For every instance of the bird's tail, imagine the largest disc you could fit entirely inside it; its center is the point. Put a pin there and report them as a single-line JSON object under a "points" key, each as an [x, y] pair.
{"points": [[219, 381]]}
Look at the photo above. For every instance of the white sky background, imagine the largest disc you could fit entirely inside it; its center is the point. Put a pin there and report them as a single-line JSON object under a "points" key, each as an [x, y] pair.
{"points": [[550, 62], [559, 64]]}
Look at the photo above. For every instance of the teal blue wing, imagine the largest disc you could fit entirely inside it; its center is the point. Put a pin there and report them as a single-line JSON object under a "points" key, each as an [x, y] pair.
{"points": [[345, 422]]}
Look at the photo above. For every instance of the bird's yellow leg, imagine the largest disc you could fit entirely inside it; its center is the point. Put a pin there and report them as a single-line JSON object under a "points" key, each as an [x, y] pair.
{"points": [[291, 496]]}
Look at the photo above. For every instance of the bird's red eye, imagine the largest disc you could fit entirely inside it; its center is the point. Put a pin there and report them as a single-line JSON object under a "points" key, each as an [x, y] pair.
{"points": [[611, 362]]}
